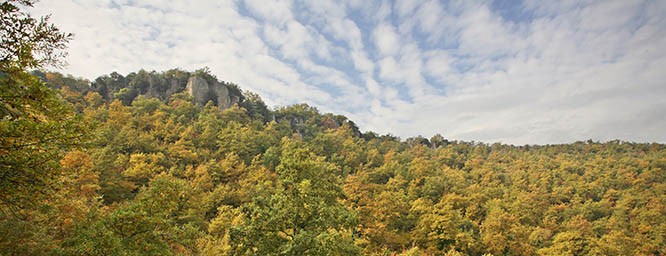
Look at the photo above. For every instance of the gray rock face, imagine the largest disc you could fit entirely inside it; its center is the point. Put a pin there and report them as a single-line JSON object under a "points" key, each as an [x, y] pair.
{"points": [[202, 87], [161, 88], [222, 93], [153, 91], [202, 92], [173, 88]]}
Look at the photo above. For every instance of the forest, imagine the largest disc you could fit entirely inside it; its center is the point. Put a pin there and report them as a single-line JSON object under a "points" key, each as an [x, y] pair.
{"points": [[100, 168]]}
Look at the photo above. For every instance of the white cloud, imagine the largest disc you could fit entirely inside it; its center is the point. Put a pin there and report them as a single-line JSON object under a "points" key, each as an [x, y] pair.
{"points": [[295, 42], [277, 12], [438, 64], [485, 35], [386, 39], [361, 62], [569, 70], [405, 8]]}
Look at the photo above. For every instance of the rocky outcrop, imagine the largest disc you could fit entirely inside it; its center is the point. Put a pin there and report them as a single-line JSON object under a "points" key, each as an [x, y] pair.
{"points": [[174, 87], [202, 86], [202, 91]]}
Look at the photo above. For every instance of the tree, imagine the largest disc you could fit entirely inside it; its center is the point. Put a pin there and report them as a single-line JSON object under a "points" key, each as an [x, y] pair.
{"points": [[36, 129], [26, 42], [36, 126], [438, 141], [255, 106], [304, 216], [502, 233]]}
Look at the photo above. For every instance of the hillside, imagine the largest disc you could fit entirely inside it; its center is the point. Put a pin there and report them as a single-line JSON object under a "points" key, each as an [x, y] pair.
{"points": [[160, 172], [201, 85], [182, 163]]}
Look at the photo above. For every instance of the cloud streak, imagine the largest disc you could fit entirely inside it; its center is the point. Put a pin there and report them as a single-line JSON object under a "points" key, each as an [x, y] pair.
{"points": [[528, 73]]}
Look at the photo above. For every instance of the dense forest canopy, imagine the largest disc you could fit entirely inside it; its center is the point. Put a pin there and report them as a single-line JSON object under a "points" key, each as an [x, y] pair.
{"points": [[108, 168]]}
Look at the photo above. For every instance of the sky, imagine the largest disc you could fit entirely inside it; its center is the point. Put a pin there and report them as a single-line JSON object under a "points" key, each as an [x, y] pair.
{"points": [[508, 71]]}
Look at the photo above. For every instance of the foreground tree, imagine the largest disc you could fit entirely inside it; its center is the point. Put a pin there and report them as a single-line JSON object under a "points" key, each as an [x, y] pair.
{"points": [[304, 216], [27, 42], [37, 128]]}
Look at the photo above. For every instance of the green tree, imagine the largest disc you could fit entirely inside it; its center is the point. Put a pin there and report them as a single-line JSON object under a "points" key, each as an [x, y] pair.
{"points": [[256, 108], [26, 42], [36, 129], [36, 126], [304, 216]]}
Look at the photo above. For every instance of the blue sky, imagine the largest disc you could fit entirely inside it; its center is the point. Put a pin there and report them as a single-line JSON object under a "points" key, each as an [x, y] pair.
{"points": [[519, 72]]}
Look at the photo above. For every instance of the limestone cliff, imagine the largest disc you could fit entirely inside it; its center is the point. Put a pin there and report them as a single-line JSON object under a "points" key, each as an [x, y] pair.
{"points": [[202, 91], [162, 88], [202, 86]]}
